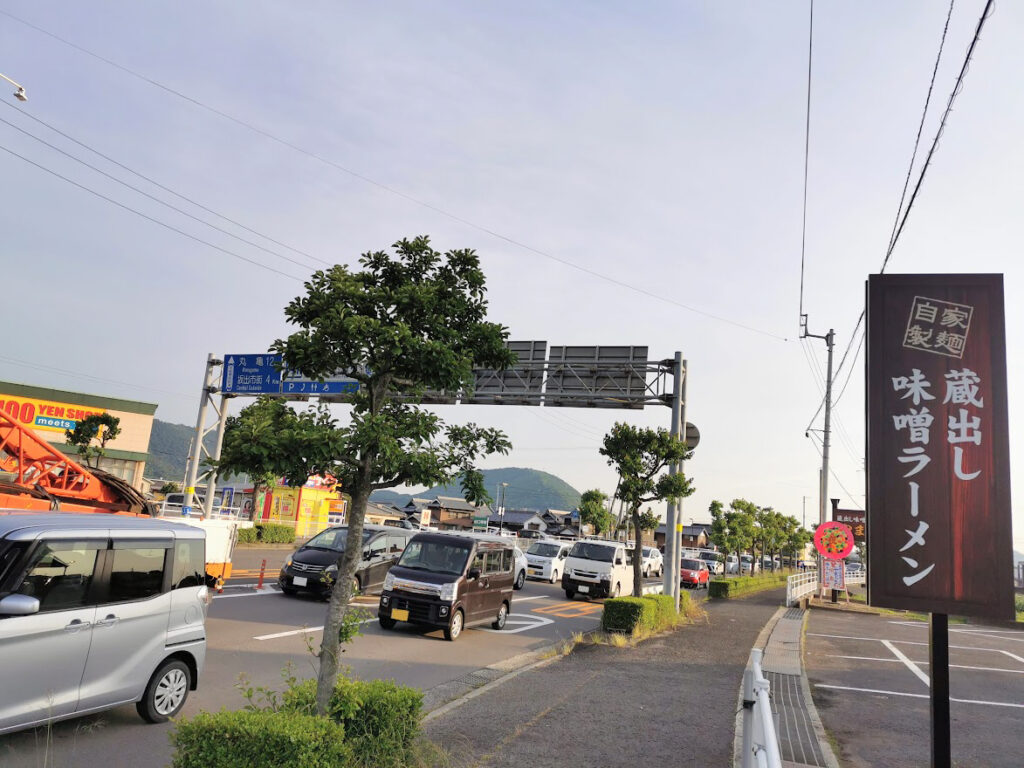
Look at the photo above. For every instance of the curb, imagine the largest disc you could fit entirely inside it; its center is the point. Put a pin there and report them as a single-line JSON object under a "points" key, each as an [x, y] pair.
{"points": [[812, 711]]}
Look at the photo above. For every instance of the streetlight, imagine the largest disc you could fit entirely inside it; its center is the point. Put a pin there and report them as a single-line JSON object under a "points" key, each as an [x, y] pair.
{"points": [[18, 94], [501, 509]]}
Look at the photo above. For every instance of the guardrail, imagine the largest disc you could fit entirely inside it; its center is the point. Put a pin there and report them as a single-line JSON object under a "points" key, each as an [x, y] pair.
{"points": [[800, 584], [760, 737]]}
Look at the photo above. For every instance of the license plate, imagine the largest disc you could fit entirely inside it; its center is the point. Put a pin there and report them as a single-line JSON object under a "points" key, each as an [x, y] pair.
{"points": [[582, 588], [299, 581], [534, 570], [399, 615]]}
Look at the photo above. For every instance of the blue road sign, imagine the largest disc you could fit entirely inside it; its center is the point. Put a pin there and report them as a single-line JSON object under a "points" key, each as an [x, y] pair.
{"points": [[258, 375], [251, 375]]}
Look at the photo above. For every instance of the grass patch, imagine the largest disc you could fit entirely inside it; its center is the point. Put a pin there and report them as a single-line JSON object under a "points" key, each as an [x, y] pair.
{"points": [[725, 588]]}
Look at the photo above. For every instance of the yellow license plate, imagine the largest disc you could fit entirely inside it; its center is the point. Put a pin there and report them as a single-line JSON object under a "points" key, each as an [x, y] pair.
{"points": [[399, 615]]}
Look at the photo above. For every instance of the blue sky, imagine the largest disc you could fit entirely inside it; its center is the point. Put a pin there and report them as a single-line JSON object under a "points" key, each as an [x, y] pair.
{"points": [[661, 146]]}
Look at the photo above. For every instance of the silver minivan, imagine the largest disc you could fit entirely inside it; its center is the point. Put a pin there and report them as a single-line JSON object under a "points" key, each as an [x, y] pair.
{"points": [[97, 611]]}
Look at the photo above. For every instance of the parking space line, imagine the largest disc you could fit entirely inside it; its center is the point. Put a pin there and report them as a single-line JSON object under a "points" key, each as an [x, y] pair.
{"points": [[917, 695], [925, 664], [258, 593], [1013, 656], [913, 642], [908, 663], [302, 631]]}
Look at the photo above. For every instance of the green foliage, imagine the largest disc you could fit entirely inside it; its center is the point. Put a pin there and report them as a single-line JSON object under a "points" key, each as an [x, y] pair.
{"points": [[170, 488], [649, 521], [726, 588], [381, 719], [101, 427], [259, 739], [267, 533], [594, 512], [641, 615]]}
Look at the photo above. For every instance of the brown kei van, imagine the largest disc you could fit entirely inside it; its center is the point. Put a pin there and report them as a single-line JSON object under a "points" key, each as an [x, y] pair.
{"points": [[451, 582]]}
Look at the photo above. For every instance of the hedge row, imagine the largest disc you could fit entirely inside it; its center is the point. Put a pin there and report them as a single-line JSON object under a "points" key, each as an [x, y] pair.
{"points": [[267, 533], [368, 724], [744, 585], [641, 615]]}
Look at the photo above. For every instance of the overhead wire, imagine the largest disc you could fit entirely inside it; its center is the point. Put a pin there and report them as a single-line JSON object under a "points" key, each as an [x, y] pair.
{"points": [[85, 376], [154, 198], [163, 224], [393, 191], [807, 155], [22, 111]]}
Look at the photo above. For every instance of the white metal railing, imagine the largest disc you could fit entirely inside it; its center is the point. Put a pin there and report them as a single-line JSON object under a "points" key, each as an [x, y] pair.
{"points": [[800, 584], [760, 738]]}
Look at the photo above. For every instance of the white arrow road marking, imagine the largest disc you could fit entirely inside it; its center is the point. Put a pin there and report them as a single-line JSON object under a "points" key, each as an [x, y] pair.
{"points": [[524, 624]]}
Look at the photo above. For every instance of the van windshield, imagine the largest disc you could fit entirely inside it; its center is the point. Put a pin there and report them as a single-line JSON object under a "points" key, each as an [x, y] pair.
{"points": [[334, 539], [543, 550], [436, 557], [692, 565], [588, 551]]}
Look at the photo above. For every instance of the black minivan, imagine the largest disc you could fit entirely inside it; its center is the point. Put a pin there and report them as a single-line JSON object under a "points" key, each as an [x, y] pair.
{"points": [[313, 567], [451, 582]]}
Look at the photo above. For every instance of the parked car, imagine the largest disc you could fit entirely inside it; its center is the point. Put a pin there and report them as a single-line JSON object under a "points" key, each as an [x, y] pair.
{"points": [[449, 581], [732, 564], [855, 569], [598, 568], [653, 564], [528, 533], [546, 560], [98, 611], [521, 562], [693, 573], [746, 563], [313, 567], [713, 559]]}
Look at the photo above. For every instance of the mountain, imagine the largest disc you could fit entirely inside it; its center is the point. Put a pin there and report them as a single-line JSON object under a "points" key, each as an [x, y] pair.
{"points": [[527, 489], [168, 450]]}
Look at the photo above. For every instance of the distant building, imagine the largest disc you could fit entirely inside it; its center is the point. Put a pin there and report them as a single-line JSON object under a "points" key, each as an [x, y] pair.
{"points": [[694, 536], [450, 513], [518, 520]]}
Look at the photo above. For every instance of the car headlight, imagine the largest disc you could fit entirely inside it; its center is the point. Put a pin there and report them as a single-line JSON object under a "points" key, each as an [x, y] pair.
{"points": [[449, 592], [330, 569], [288, 562], [389, 582]]}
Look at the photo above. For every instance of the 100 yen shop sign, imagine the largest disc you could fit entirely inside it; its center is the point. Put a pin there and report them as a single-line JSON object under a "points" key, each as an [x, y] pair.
{"points": [[939, 525]]}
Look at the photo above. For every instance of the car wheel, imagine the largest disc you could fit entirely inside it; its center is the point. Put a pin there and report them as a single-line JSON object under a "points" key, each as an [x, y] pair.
{"points": [[386, 622], [554, 577], [499, 623], [166, 693], [615, 592], [647, 573], [570, 593], [520, 580], [454, 628], [355, 587]]}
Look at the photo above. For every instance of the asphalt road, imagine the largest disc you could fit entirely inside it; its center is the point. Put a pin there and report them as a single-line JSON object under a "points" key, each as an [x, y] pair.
{"points": [[869, 679], [258, 634]]}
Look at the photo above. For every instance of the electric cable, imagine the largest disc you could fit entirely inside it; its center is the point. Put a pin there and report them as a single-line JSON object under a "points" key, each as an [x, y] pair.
{"points": [[807, 155], [396, 192]]}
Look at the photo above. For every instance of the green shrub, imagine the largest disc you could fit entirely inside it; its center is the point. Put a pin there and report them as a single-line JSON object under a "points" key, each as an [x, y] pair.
{"points": [[744, 585], [247, 535], [260, 739], [665, 609], [381, 719], [275, 533]]}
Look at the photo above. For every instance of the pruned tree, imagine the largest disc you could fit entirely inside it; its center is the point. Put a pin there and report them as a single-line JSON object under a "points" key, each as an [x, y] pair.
{"points": [[733, 529], [98, 428], [408, 322], [642, 457], [594, 511]]}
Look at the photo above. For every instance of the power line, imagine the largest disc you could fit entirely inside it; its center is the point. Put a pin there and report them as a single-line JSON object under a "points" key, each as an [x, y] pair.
{"points": [[172, 228], [152, 197], [76, 374], [807, 155], [167, 189], [832, 472], [391, 190]]}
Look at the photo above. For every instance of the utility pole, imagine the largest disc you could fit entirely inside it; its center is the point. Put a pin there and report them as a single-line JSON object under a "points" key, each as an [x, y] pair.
{"points": [[804, 524], [829, 339]]}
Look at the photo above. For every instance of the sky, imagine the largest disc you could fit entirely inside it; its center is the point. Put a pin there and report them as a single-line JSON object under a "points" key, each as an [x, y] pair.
{"points": [[660, 146]]}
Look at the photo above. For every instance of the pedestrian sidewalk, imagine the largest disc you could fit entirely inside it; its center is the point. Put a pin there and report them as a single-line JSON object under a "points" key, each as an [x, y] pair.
{"points": [[671, 700], [802, 739]]}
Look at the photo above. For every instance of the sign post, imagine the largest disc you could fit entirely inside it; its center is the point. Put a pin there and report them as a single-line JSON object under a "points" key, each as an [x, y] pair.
{"points": [[938, 484]]}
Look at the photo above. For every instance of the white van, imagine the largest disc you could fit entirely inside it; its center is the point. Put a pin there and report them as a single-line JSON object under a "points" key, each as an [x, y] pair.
{"points": [[96, 611], [510, 540], [545, 559], [598, 569]]}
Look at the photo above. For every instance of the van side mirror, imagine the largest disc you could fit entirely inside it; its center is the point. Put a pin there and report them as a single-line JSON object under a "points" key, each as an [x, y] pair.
{"points": [[618, 561], [366, 554], [474, 573], [19, 605]]}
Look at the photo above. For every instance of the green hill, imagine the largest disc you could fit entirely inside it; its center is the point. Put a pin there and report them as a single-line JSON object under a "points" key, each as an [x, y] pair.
{"points": [[168, 450], [527, 489]]}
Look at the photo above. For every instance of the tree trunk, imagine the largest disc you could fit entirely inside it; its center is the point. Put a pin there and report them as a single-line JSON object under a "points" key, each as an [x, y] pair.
{"points": [[638, 554], [340, 596]]}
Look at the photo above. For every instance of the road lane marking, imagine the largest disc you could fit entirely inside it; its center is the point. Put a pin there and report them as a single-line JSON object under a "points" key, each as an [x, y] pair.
{"points": [[571, 610], [917, 695], [303, 631], [524, 624], [1013, 656], [259, 593], [908, 663], [925, 663]]}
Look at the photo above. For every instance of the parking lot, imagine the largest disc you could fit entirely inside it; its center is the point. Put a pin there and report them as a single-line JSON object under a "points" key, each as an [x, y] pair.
{"points": [[869, 679], [257, 633]]}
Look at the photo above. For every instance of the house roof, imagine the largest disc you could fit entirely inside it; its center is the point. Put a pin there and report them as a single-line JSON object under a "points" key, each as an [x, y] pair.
{"points": [[375, 508], [558, 513], [516, 517], [689, 530], [417, 504], [455, 503]]}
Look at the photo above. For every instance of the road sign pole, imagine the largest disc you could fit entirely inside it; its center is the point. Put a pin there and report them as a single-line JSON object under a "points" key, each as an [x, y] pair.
{"points": [[209, 384], [211, 483], [938, 667], [670, 583]]}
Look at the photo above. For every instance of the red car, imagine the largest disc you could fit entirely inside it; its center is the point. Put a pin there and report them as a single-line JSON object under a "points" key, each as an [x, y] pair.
{"points": [[693, 573]]}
